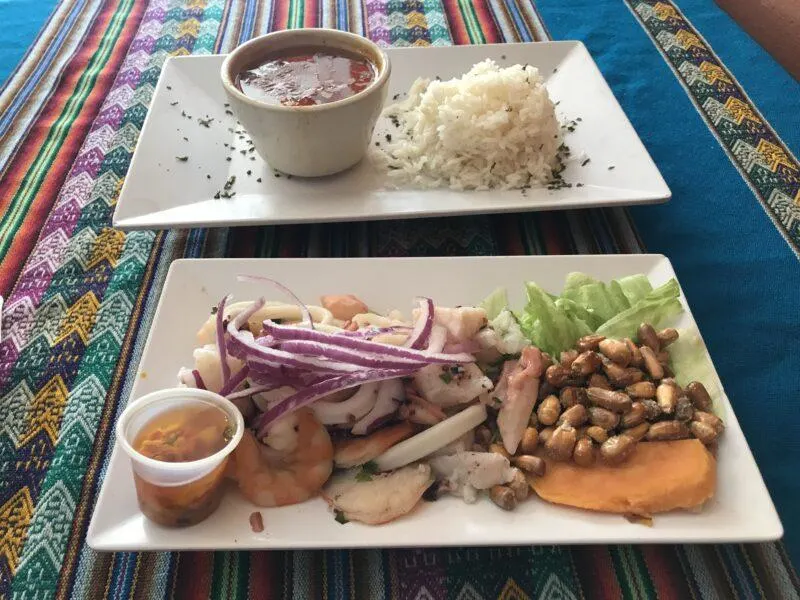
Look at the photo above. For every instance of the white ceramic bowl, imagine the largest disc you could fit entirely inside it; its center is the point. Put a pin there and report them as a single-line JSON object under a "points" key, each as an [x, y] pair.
{"points": [[308, 141]]}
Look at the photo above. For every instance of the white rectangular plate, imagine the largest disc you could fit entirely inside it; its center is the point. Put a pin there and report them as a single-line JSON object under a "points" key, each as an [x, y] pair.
{"points": [[161, 191], [741, 511]]}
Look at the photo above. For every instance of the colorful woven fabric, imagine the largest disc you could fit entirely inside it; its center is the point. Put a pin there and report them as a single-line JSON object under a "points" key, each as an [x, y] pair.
{"points": [[80, 295]]}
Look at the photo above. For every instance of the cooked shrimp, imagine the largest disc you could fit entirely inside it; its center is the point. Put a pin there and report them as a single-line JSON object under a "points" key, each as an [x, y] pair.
{"points": [[343, 307], [356, 451], [268, 477], [385, 497]]}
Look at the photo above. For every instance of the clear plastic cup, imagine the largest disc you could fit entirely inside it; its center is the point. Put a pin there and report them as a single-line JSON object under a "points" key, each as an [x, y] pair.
{"points": [[177, 494]]}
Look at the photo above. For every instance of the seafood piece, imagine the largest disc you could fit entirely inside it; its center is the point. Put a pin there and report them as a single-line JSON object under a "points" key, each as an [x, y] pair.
{"points": [[275, 311], [268, 476], [461, 323], [347, 411], [523, 389], [451, 385], [343, 307], [265, 400], [390, 394], [208, 364], [462, 444], [500, 391], [429, 441], [467, 472], [353, 452], [382, 498]]}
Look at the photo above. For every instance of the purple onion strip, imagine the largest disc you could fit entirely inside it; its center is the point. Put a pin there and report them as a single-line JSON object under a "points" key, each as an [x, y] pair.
{"points": [[235, 381], [198, 380], [223, 353], [251, 391], [316, 391], [422, 327], [258, 279], [354, 357], [283, 332]]}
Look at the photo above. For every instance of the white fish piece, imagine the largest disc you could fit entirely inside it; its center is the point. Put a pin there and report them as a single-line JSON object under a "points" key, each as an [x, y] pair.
{"points": [[208, 363], [462, 323], [468, 472], [383, 498], [450, 386]]}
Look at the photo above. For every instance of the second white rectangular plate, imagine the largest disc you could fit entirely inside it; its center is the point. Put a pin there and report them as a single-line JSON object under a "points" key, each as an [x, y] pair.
{"points": [[161, 191], [741, 510]]}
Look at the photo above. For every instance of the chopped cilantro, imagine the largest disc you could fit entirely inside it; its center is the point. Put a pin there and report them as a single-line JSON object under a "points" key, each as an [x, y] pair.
{"points": [[368, 469], [446, 376], [182, 158], [340, 518]]}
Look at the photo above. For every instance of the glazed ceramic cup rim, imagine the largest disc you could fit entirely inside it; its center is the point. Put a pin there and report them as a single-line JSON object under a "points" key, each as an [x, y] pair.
{"points": [[136, 406], [372, 52]]}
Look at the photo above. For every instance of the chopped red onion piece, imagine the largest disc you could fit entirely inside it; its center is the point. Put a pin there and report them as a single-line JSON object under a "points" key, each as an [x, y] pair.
{"points": [[437, 340], [422, 328], [256, 389], [285, 332], [223, 354], [303, 308], [198, 380], [235, 381], [355, 357], [313, 392]]}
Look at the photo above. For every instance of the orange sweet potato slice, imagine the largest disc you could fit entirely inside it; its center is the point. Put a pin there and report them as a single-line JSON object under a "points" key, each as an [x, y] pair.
{"points": [[658, 477]]}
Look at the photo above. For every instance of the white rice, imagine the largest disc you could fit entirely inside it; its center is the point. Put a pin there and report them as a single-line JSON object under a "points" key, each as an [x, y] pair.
{"points": [[492, 128]]}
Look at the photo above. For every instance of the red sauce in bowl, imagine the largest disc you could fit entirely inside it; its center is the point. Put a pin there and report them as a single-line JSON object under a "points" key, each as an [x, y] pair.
{"points": [[307, 77]]}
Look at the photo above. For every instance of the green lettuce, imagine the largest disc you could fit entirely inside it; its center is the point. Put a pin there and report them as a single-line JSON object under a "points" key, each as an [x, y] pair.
{"points": [[691, 362], [657, 307], [495, 303]]}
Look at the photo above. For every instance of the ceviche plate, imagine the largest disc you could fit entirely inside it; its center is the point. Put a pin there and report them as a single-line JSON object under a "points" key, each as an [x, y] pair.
{"points": [[741, 510], [183, 157]]}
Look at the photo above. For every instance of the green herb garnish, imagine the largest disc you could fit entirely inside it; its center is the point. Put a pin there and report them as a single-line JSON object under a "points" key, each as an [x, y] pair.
{"points": [[340, 518], [368, 469], [182, 158], [446, 376]]}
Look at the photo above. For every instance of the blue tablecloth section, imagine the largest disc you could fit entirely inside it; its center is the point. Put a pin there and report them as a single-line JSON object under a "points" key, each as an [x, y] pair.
{"points": [[740, 276], [20, 22]]}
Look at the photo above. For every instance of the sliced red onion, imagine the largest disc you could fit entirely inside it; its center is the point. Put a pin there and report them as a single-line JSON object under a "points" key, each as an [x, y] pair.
{"points": [[246, 347], [235, 381], [371, 332], [355, 357], [256, 389], [303, 308], [437, 340], [191, 378], [390, 394], [223, 353], [347, 411], [284, 332], [422, 327], [313, 392]]}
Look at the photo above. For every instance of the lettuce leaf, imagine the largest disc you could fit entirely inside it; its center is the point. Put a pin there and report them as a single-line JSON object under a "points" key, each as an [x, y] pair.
{"points": [[546, 325], [635, 287], [691, 362], [657, 307], [495, 303], [512, 338]]}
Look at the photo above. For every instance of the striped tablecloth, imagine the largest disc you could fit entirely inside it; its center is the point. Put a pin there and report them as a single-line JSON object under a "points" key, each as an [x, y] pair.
{"points": [[80, 295]]}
